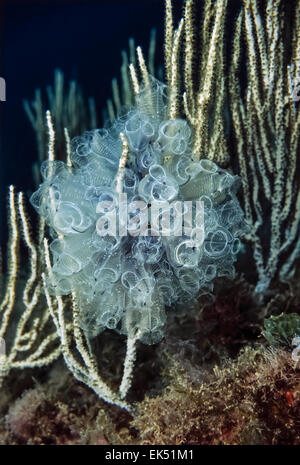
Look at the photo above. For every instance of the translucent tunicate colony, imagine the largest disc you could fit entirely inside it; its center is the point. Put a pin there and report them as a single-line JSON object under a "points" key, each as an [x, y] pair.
{"points": [[126, 282]]}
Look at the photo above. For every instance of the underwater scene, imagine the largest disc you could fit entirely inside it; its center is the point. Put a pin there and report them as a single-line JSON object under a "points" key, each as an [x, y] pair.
{"points": [[150, 223]]}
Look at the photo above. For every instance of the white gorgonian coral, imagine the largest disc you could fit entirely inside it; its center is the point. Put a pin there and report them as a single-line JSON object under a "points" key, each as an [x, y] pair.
{"points": [[126, 282]]}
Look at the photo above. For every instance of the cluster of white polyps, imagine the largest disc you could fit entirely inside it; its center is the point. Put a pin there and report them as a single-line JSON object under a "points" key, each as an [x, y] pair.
{"points": [[124, 282]]}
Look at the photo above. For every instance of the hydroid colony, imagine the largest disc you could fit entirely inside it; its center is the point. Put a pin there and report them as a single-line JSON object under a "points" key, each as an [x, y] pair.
{"points": [[125, 283]]}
